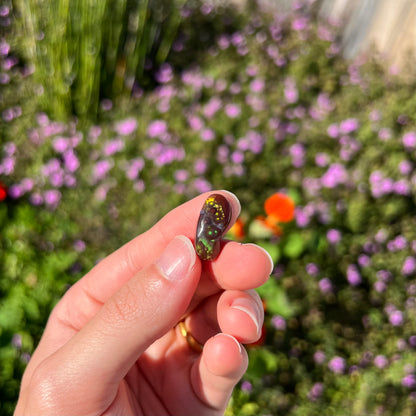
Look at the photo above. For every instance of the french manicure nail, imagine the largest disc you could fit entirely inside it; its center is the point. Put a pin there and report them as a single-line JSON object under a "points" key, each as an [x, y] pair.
{"points": [[245, 305]]}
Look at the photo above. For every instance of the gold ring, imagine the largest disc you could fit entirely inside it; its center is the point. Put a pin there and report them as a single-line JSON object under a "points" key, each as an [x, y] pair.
{"points": [[192, 342]]}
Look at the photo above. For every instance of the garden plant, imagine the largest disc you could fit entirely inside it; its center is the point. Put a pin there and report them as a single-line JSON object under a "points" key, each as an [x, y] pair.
{"points": [[321, 152]]}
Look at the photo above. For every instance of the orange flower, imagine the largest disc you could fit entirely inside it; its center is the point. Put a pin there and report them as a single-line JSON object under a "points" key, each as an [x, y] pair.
{"points": [[279, 208], [237, 230]]}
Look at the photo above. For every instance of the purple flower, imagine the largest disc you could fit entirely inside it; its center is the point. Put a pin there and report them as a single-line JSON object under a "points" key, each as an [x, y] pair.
{"points": [[94, 133], [375, 115], [237, 157], [402, 187], [325, 285], [397, 244], [348, 126], [405, 167], [321, 159], [246, 386], [134, 167], [278, 322], [319, 357], [335, 175], [181, 175], [312, 269], [353, 275], [252, 70], [211, 107], [385, 133], [79, 246], [297, 151], [202, 185], [364, 260], [291, 94], [232, 110], [409, 381], [333, 131], [36, 199], [235, 88], [167, 154], [52, 198], [17, 341], [381, 361], [60, 144], [101, 169], [71, 161], [223, 42], [409, 266], [139, 186], [396, 318], [10, 148], [380, 287], [207, 135], [165, 74], [333, 236], [200, 166], [237, 39], [409, 140], [56, 179], [300, 23], [7, 165], [157, 128], [302, 217], [316, 391], [126, 127], [70, 181], [337, 365], [257, 85], [195, 122], [106, 104], [4, 48], [15, 191]]}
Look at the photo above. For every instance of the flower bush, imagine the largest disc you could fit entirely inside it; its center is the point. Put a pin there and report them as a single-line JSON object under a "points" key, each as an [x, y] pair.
{"points": [[263, 104]]}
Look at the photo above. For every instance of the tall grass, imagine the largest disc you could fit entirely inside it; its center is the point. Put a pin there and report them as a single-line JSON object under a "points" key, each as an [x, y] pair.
{"points": [[85, 50]]}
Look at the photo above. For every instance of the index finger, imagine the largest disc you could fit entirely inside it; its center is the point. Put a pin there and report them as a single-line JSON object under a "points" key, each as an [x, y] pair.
{"points": [[116, 269]]}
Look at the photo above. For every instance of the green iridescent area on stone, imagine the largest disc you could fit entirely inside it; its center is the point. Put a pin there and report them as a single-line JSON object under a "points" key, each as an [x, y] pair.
{"points": [[213, 221]]}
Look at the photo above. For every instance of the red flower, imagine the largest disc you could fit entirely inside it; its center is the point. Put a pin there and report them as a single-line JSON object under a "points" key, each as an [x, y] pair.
{"points": [[3, 191]]}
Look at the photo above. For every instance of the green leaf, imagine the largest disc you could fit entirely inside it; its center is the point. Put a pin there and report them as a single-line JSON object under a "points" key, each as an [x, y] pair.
{"points": [[294, 246], [277, 302], [257, 230]]}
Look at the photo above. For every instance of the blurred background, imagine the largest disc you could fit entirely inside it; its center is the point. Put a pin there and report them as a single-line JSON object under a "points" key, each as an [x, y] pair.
{"points": [[113, 113]]}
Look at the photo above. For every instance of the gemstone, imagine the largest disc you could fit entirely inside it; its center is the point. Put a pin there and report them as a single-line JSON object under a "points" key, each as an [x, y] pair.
{"points": [[213, 221]]}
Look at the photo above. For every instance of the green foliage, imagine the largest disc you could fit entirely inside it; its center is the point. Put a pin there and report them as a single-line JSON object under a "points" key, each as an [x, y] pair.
{"points": [[84, 50]]}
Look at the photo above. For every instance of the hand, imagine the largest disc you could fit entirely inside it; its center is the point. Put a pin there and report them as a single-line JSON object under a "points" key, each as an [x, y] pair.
{"points": [[111, 345]]}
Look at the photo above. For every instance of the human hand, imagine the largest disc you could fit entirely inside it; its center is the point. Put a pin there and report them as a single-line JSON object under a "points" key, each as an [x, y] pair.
{"points": [[112, 344]]}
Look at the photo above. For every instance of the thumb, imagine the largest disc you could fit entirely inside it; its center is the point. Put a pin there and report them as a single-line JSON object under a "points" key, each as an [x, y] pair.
{"points": [[139, 313]]}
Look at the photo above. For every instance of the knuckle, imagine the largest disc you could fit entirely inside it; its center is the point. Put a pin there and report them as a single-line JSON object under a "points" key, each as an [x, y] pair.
{"points": [[123, 307]]}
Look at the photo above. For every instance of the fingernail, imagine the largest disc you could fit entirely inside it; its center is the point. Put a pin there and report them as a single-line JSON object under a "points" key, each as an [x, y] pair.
{"points": [[230, 336], [247, 306], [177, 259]]}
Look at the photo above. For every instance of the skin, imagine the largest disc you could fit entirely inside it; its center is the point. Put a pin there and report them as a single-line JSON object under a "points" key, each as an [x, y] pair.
{"points": [[111, 345]]}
